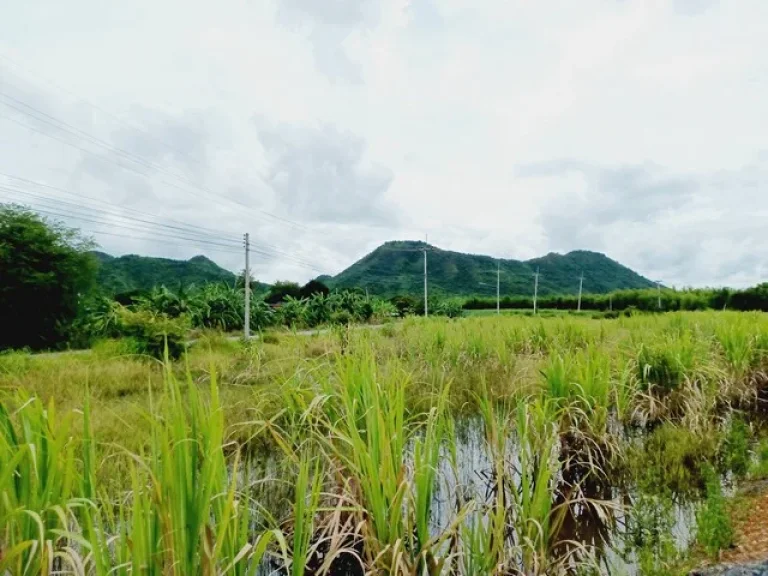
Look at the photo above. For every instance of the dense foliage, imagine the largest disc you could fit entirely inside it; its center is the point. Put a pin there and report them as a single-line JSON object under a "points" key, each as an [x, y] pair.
{"points": [[44, 268], [398, 268], [147, 317], [649, 300]]}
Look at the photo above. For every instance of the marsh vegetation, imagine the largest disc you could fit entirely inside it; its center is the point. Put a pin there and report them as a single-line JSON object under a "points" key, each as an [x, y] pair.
{"points": [[509, 445]]}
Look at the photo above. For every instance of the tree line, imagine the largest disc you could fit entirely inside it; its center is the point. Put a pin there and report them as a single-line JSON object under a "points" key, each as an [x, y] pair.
{"points": [[646, 300], [49, 298]]}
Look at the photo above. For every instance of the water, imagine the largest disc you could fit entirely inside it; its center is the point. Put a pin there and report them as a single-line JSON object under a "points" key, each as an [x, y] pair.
{"points": [[599, 521]]}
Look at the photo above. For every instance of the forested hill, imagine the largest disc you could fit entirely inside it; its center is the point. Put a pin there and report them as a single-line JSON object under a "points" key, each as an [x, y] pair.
{"points": [[398, 268], [131, 272]]}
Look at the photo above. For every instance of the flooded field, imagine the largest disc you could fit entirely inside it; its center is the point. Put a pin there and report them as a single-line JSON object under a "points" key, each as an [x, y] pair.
{"points": [[470, 446]]}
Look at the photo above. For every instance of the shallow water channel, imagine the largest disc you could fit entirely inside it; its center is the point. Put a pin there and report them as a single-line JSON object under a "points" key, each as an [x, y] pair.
{"points": [[603, 532], [600, 523]]}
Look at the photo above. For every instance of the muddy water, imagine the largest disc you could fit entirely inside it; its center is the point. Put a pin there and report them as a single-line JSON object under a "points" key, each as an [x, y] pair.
{"points": [[603, 532]]}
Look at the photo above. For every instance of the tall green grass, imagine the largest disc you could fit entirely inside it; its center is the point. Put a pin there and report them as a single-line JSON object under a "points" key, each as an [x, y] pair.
{"points": [[161, 470]]}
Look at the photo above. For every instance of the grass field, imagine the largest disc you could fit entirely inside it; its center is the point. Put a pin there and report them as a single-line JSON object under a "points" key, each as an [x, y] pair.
{"points": [[484, 445]]}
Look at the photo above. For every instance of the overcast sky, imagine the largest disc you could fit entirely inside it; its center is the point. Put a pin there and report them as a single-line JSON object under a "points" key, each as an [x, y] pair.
{"points": [[325, 127]]}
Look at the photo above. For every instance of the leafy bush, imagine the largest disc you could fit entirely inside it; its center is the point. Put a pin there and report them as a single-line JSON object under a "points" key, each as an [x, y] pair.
{"points": [[270, 338], [153, 333], [450, 308], [218, 306], [341, 317], [405, 304], [293, 311], [383, 310]]}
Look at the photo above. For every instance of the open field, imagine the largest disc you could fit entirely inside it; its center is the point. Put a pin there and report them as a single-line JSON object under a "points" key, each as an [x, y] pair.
{"points": [[484, 445]]}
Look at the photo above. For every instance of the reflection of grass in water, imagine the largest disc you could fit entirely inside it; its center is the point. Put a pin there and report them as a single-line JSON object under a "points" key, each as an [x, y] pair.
{"points": [[759, 466], [671, 459], [713, 522], [648, 539]]}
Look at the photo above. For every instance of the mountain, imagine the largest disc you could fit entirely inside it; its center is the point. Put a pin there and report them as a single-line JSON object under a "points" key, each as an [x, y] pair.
{"points": [[398, 267], [132, 272]]}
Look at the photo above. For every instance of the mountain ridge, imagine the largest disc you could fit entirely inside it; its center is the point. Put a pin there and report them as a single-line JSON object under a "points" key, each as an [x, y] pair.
{"points": [[397, 267], [132, 272]]}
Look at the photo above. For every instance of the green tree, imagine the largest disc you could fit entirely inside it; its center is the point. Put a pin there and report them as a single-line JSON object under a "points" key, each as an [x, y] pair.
{"points": [[314, 287], [281, 290], [45, 269]]}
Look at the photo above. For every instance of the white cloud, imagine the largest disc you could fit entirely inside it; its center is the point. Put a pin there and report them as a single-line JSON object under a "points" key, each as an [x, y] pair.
{"points": [[381, 119]]}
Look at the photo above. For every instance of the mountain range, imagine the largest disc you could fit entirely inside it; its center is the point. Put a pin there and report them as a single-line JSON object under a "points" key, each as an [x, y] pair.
{"points": [[397, 267], [139, 273]]}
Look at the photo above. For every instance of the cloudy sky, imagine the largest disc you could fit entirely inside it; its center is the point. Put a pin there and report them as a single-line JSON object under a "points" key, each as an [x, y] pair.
{"points": [[325, 127]]}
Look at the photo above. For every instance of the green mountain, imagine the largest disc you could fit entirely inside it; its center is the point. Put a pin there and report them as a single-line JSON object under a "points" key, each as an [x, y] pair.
{"points": [[398, 268], [131, 272]]}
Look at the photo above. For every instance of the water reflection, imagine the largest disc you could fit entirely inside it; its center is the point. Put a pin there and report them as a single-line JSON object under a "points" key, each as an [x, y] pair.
{"points": [[595, 520]]}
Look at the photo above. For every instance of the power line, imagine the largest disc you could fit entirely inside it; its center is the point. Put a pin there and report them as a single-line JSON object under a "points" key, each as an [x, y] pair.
{"points": [[299, 258], [110, 204], [79, 208], [90, 103], [136, 128], [74, 131], [158, 234], [132, 236], [73, 211]]}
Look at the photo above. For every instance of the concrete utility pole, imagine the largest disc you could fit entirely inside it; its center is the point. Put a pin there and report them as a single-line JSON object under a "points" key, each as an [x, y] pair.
{"points": [[247, 321], [535, 289], [426, 312], [498, 287], [658, 288], [581, 285]]}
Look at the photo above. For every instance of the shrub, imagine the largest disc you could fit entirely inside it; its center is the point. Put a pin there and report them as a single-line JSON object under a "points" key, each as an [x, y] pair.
{"points": [[450, 308], [341, 317], [270, 338], [293, 311], [154, 332], [629, 311]]}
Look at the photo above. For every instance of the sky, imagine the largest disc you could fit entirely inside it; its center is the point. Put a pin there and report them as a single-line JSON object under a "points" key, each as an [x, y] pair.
{"points": [[325, 127]]}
